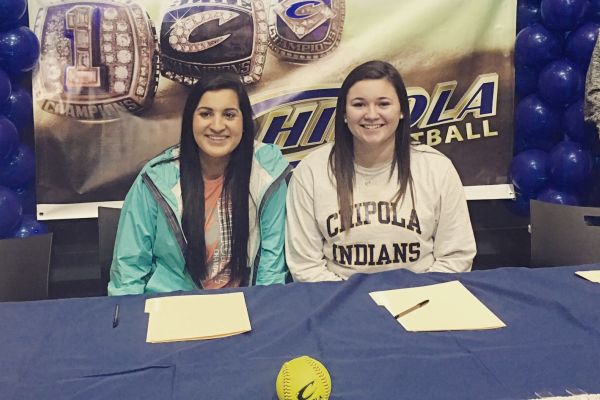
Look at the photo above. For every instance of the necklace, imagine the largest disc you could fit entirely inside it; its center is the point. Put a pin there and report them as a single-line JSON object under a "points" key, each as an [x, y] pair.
{"points": [[371, 175]]}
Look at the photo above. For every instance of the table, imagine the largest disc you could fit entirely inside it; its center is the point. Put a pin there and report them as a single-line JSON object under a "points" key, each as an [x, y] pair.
{"points": [[68, 349]]}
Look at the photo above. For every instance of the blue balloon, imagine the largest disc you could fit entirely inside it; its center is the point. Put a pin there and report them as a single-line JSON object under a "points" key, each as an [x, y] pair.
{"points": [[593, 13], [519, 205], [10, 211], [11, 11], [529, 171], [561, 83], [30, 227], [523, 142], [26, 196], [563, 15], [536, 46], [595, 151], [537, 124], [580, 44], [570, 165], [8, 25], [575, 126], [20, 169], [551, 195], [528, 13], [19, 50], [19, 109], [9, 139], [5, 86], [525, 80]]}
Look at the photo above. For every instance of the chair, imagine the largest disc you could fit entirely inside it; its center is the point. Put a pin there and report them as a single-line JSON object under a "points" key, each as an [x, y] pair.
{"points": [[25, 268], [564, 235], [108, 221]]}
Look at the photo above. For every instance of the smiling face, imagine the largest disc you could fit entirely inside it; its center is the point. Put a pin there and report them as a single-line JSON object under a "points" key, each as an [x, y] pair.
{"points": [[373, 114], [217, 127]]}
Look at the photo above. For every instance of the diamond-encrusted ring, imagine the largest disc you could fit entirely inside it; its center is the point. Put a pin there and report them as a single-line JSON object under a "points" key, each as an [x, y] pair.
{"points": [[206, 36], [97, 59], [302, 31]]}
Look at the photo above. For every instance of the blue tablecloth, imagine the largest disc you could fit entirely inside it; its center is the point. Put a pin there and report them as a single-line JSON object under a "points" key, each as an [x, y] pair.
{"points": [[67, 349]]}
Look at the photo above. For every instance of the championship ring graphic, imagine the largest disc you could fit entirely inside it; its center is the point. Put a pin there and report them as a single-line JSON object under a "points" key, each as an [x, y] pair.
{"points": [[305, 30], [203, 36], [97, 59]]}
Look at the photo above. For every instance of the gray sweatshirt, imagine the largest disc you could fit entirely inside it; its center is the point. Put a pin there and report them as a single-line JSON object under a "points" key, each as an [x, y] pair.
{"points": [[434, 236]]}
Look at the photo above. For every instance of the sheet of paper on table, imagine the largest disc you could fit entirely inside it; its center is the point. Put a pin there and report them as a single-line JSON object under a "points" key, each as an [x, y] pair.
{"points": [[195, 317], [451, 306], [593, 276], [573, 397]]}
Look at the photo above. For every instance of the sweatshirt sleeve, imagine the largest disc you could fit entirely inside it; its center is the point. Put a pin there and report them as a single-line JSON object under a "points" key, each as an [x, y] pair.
{"points": [[453, 242], [304, 241], [132, 258]]}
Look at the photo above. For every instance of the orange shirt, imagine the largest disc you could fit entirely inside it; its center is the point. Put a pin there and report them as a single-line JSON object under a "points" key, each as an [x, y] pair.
{"points": [[218, 253]]}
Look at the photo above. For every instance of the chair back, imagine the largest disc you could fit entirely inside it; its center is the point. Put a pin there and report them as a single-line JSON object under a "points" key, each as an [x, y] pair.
{"points": [[564, 235], [108, 221], [25, 267]]}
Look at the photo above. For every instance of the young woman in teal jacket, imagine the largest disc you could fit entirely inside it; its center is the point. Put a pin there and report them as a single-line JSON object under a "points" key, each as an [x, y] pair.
{"points": [[209, 212]]}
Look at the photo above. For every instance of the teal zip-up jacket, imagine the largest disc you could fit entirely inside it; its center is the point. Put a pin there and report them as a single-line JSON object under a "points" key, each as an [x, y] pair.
{"points": [[148, 255]]}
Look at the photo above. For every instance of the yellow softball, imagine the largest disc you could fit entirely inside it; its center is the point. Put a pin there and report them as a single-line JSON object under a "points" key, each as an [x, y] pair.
{"points": [[303, 378]]}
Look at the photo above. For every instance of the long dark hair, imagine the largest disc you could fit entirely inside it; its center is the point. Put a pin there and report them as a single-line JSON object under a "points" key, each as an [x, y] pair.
{"points": [[341, 159], [236, 184]]}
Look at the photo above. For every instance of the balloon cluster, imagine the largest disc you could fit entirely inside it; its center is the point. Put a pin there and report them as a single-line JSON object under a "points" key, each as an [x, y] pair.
{"points": [[19, 51], [557, 153]]}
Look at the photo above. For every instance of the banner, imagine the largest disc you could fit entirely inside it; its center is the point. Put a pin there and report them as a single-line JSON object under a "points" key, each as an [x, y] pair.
{"points": [[114, 74]]}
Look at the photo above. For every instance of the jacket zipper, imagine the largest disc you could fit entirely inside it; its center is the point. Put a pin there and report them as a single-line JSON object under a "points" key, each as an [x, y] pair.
{"points": [[171, 218], [270, 189]]}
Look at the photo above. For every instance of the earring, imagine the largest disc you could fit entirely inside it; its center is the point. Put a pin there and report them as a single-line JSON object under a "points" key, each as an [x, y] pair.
{"points": [[345, 120], [401, 116]]}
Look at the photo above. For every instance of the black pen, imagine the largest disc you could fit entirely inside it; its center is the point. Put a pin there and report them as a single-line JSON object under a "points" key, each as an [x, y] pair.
{"points": [[116, 317], [411, 309]]}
